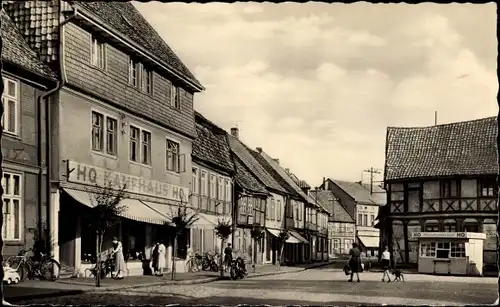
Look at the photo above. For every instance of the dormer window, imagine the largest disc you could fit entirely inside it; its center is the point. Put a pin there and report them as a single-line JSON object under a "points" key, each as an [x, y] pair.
{"points": [[98, 53], [134, 73]]}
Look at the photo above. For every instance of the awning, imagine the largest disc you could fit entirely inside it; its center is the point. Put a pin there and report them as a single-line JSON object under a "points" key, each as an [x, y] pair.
{"points": [[136, 210], [205, 221], [298, 236], [369, 241], [274, 232], [292, 239]]}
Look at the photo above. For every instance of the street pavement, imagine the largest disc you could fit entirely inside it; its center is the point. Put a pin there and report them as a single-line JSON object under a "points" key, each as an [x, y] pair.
{"points": [[320, 286]]}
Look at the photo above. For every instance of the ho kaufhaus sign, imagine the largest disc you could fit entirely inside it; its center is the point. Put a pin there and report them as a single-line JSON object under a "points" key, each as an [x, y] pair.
{"points": [[92, 175]]}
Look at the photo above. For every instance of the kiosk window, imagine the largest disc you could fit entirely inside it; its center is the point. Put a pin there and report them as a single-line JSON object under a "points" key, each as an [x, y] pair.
{"points": [[428, 249], [457, 250], [443, 250]]}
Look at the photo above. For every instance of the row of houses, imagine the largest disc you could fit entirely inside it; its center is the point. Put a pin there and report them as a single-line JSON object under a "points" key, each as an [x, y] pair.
{"points": [[93, 95]]}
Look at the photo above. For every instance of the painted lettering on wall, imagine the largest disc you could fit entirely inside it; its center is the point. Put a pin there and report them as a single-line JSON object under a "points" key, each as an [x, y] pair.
{"points": [[91, 175]]}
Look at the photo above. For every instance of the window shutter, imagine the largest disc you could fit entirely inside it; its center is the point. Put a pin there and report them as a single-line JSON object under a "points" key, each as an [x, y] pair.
{"points": [[182, 163]]}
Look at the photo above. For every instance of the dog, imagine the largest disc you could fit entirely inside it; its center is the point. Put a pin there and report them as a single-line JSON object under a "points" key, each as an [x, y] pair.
{"points": [[398, 275]]}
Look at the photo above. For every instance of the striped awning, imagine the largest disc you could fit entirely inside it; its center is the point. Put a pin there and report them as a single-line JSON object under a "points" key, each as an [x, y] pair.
{"points": [[135, 209]]}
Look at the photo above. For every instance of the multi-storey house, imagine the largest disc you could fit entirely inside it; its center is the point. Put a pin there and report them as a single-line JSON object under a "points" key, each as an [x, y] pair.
{"points": [[363, 203], [341, 225], [27, 81], [212, 183], [295, 203], [441, 179], [275, 219], [122, 116]]}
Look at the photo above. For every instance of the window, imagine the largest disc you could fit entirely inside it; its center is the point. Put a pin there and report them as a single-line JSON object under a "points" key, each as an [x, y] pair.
{"points": [[273, 209], [97, 131], [10, 101], [487, 188], [372, 219], [450, 227], [250, 206], [278, 210], [194, 183], [450, 188], [457, 250], [175, 99], [12, 202], [301, 211], [365, 220], [134, 73], [146, 147], [428, 249], [111, 137], [244, 205], [443, 250], [213, 186], [431, 228], [173, 156], [147, 82], [220, 186], [360, 219], [204, 184], [98, 53], [228, 190], [134, 144]]}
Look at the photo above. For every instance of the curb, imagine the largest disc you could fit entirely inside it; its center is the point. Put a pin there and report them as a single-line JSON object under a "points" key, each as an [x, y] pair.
{"points": [[153, 284], [44, 295]]}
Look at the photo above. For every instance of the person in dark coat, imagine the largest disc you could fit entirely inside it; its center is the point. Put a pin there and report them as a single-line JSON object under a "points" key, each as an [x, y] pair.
{"points": [[355, 261], [154, 258], [228, 256]]}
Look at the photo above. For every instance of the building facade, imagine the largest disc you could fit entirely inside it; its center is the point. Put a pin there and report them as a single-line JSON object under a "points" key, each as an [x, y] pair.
{"points": [[363, 203], [449, 192], [26, 79], [341, 225], [212, 183], [123, 116]]}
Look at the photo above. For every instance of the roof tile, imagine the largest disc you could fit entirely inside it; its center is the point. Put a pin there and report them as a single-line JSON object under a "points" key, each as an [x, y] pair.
{"points": [[463, 148], [361, 192], [246, 180], [329, 201]]}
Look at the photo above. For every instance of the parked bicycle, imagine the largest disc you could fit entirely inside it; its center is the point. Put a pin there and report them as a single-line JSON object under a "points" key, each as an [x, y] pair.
{"points": [[193, 263], [107, 268], [28, 267]]}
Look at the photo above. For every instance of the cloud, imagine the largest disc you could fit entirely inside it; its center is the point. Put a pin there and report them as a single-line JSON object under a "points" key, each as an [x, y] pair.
{"points": [[316, 85]]}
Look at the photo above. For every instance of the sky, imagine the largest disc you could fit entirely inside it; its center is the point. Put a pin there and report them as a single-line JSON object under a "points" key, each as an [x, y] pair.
{"points": [[316, 85]]}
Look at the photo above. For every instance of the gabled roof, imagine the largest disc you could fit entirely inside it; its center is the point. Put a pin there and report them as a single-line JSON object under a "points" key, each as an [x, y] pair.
{"points": [[301, 183], [16, 50], [245, 179], [243, 153], [465, 148], [328, 200], [282, 175], [126, 19], [361, 193], [211, 144]]}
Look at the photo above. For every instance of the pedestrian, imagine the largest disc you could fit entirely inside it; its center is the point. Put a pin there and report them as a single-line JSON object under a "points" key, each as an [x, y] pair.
{"points": [[386, 263], [154, 258], [161, 260], [119, 259], [228, 256], [355, 261]]}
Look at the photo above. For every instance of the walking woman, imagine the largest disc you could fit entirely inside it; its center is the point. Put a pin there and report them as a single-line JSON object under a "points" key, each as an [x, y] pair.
{"points": [[355, 261], [119, 259], [162, 254], [154, 258], [386, 263]]}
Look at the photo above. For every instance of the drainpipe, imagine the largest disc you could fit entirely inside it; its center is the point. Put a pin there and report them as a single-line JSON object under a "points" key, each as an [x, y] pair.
{"points": [[48, 124]]}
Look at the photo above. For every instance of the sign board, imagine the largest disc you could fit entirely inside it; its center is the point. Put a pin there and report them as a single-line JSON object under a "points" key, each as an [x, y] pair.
{"points": [[92, 175], [439, 235]]}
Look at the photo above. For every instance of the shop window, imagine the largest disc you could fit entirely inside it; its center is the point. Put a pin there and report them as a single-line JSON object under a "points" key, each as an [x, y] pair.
{"points": [[450, 228], [428, 249], [431, 228], [457, 250], [443, 250]]}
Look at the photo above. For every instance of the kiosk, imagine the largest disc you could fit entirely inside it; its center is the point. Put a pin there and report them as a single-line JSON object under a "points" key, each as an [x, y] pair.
{"points": [[450, 253]]}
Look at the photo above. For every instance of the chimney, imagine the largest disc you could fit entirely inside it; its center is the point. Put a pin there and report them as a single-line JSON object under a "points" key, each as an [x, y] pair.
{"points": [[324, 184], [235, 132], [277, 161], [259, 149]]}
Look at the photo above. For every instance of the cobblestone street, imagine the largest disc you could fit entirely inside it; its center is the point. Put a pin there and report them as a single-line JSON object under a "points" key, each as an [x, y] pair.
{"points": [[316, 286]]}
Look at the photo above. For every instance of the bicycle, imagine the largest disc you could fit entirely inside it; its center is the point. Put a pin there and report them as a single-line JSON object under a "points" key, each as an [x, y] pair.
{"points": [[46, 268], [192, 264]]}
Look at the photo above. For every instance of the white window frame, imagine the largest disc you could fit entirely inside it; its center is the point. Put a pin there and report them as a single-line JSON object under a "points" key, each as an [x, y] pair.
{"points": [[109, 132], [137, 144], [176, 156], [195, 181], [428, 250], [278, 210], [134, 72], [455, 248], [220, 188], [104, 133], [8, 228], [147, 74], [98, 53], [212, 178], [149, 144], [6, 112], [175, 97], [228, 190], [204, 183]]}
